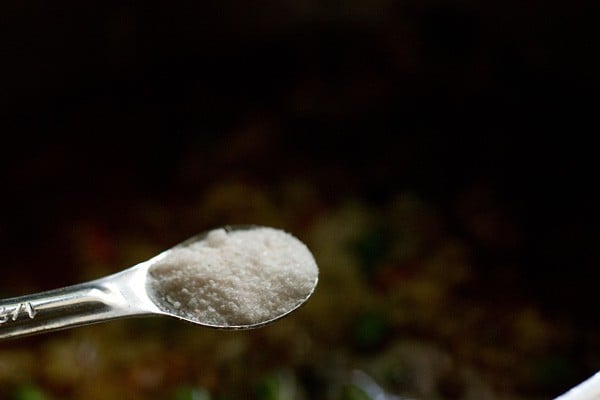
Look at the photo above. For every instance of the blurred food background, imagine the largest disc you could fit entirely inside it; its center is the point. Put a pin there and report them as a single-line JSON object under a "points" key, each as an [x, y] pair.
{"points": [[432, 154]]}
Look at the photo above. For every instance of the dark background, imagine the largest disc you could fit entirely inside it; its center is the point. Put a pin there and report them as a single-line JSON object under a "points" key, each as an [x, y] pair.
{"points": [[107, 105]]}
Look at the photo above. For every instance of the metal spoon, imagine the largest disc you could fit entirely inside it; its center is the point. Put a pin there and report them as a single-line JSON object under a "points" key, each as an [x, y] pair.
{"points": [[120, 295]]}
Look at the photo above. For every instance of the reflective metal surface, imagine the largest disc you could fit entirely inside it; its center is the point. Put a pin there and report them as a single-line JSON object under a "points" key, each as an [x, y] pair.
{"points": [[116, 296]]}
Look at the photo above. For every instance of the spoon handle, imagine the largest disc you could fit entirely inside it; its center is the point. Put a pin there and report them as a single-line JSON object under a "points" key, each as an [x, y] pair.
{"points": [[71, 306]]}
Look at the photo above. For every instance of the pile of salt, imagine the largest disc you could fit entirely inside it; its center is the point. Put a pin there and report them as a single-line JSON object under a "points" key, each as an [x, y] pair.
{"points": [[234, 278]]}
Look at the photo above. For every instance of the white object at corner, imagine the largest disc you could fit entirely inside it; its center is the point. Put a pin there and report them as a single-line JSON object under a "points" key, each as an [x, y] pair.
{"points": [[587, 390]]}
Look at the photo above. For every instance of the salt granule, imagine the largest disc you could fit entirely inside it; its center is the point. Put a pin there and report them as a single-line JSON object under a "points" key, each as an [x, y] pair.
{"points": [[234, 278]]}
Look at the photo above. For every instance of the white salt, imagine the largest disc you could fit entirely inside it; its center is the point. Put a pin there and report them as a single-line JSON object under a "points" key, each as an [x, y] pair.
{"points": [[234, 278]]}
